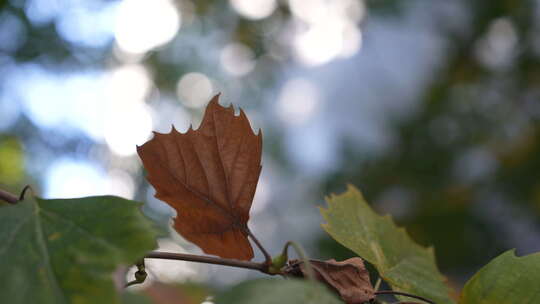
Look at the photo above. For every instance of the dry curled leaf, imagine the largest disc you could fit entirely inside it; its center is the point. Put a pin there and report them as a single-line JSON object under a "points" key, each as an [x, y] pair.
{"points": [[348, 278], [209, 176]]}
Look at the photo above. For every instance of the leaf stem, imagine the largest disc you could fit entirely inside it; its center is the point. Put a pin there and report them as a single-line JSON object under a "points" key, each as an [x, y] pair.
{"points": [[302, 255], [262, 267], [140, 274], [23, 192], [391, 292], [267, 257], [8, 197], [378, 284]]}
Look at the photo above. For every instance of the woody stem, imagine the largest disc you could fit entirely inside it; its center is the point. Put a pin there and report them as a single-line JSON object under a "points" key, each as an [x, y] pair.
{"points": [[262, 267], [302, 255], [8, 197], [267, 257], [12, 198]]}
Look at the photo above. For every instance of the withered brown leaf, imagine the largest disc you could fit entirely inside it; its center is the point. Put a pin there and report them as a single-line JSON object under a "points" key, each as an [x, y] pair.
{"points": [[209, 176], [349, 278]]}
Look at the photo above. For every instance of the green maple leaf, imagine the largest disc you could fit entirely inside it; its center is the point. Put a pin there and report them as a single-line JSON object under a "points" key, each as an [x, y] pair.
{"points": [[506, 279], [405, 265], [65, 250], [278, 291]]}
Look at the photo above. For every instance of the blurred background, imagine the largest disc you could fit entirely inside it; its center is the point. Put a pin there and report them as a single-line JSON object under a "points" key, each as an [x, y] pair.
{"points": [[432, 108]]}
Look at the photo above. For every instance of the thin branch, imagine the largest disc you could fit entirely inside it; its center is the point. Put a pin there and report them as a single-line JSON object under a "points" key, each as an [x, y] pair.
{"points": [[140, 274], [303, 257], [391, 292], [23, 192], [8, 197], [262, 267], [267, 257]]}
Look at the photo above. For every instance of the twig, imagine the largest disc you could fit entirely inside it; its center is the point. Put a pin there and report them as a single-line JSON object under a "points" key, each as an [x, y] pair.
{"points": [[140, 274], [391, 292], [303, 257], [8, 197], [262, 267], [267, 257], [23, 192]]}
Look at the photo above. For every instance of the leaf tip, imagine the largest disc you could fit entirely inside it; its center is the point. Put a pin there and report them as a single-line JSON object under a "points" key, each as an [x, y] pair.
{"points": [[156, 133], [214, 101]]}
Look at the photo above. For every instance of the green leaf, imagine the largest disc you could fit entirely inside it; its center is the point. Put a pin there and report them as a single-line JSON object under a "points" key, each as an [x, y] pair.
{"points": [[506, 279], [405, 265], [65, 250], [278, 291]]}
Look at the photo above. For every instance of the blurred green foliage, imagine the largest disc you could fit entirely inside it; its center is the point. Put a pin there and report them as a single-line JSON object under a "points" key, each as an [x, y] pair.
{"points": [[464, 107], [12, 164]]}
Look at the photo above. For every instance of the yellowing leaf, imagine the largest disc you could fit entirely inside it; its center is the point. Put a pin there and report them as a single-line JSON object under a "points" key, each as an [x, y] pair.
{"points": [[405, 265]]}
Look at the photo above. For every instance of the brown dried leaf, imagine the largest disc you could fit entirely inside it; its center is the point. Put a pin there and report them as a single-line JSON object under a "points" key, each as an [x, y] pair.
{"points": [[348, 278], [209, 176]]}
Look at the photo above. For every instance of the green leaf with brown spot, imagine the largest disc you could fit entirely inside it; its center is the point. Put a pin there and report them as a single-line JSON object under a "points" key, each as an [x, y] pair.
{"points": [[401, 262], [64, 251]]}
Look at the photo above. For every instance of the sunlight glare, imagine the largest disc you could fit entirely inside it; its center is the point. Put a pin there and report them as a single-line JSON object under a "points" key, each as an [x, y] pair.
{"points": [[325, 30], [254, 9], [319, 44], [352, 41], [128, 83], [68, 178], [142, 25], [128, 127], [310, 11], [128, 120]]}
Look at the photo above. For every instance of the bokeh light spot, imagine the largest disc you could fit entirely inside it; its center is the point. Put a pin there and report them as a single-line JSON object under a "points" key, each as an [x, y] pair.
{"points": [[143, 25], [298, 101], [128, 83], [254, 9], [194, 90], [325, 30], [237, 59], [128, 128], [67, 178]]}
